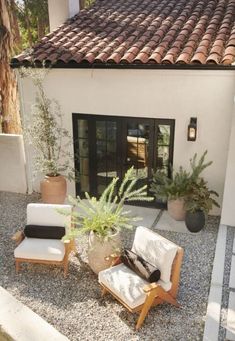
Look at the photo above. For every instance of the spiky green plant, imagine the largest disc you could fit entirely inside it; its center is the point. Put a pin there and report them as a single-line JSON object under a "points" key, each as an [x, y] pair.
{"points": [[181, 183], [107, 215]]}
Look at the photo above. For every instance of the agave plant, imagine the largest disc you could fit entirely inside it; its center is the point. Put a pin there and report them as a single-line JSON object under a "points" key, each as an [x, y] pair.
{"points": [[107, 214]]}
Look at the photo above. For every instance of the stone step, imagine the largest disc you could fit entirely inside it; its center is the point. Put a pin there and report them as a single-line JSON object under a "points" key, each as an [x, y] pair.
{"points": [[22, 324]]}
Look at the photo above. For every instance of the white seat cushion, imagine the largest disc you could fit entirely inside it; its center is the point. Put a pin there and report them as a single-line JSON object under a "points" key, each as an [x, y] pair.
{"points": [[126, 284], [42, 249], [156, 250], [48, 215]]}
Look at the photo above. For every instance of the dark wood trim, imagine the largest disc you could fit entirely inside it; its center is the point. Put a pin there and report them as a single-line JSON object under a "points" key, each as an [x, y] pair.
{"points": [[138, 66]]}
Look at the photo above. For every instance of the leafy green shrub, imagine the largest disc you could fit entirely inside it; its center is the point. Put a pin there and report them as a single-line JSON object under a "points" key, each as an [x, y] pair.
{"points": [[182, 182], [200, 197], [165, 188]]}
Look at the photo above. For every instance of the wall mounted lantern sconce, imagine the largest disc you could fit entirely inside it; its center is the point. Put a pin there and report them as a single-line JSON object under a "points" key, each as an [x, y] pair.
{"points": [[192, 129]]}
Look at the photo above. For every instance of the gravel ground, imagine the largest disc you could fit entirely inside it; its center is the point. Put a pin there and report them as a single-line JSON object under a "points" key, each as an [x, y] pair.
{"points": [[226, 290], [74, 305]]}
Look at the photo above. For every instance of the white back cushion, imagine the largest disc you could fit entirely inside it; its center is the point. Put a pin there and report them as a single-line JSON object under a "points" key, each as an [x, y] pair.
{"points": [[156, 250], [47, 215]]}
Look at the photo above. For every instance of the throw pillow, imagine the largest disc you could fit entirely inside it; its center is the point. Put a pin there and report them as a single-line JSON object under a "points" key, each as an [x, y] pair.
{"points": [[140, 266], [44, 232]]}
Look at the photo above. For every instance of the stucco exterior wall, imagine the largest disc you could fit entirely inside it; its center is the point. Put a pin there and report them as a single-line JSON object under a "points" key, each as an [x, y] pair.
{"points": [[12, 164], [175, 94]]}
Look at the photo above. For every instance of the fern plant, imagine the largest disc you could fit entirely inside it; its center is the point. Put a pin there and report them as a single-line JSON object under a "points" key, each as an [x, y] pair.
{"points": [[181, 183], [170, 189], [107, 215]]}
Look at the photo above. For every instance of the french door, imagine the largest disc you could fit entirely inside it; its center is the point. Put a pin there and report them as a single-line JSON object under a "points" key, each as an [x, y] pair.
{"points": [[106, 146]]}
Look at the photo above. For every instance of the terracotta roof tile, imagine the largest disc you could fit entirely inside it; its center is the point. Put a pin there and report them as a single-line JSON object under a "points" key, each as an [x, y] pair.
{"points": [[143, 31]]}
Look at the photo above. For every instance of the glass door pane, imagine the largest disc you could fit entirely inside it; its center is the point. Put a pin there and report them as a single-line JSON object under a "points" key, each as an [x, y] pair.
{"points": [[139, 139], [106, 153], [164, 146], [83, 154]]}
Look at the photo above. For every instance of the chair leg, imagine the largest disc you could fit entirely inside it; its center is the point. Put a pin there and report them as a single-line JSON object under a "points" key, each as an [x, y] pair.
{"points": [[66, 265], [167, 297], [147, 305], [17, 266], [103, 291], [74, 249]]}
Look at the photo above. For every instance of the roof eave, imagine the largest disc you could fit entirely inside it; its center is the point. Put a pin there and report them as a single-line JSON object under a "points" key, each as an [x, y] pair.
{"points": [[139, 66]]}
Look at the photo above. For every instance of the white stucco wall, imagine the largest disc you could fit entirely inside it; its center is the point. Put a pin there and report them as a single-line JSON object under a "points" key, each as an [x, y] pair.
{"points": [[12, 164], [175, 94], [228, 209]]}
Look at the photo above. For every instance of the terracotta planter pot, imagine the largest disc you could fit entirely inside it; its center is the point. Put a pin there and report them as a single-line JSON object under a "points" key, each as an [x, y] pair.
{"points": [[176, 209], [98, 249], [53, 189]]}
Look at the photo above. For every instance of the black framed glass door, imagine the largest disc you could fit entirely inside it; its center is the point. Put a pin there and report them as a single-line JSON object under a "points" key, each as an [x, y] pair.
{"points": [[106, 146]]}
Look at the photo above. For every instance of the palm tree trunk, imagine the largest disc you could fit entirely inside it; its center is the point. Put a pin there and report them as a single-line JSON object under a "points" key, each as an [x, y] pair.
{"points": [[9, 107]]}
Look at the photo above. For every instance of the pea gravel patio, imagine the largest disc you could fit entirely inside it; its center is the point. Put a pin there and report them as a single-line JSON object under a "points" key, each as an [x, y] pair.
{"points": [[74, 305]]}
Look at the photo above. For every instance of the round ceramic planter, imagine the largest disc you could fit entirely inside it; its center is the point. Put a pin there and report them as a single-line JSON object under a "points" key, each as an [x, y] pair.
{"points": [[53, 189], [195, 221], [176, 209], [99, 249]]}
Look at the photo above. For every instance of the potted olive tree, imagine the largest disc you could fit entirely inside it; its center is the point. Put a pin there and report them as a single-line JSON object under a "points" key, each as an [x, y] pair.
{"points": [[44, 131], [105, 217], [198, 203]]}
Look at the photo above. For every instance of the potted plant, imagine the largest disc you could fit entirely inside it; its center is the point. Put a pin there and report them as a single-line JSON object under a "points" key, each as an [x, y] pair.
{"points": [[198, 203], [105, 217], [44, 131], [172, 190]]}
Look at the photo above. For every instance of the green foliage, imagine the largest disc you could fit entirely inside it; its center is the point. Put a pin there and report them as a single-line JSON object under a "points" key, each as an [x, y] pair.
{"points": [[33, 20], [188, 185], [198, 166], [107, 215], [170, 189], [200, 197], [44, 130]]}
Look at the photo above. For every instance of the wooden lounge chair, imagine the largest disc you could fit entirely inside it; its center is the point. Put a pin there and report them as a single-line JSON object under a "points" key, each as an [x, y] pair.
{"points": [[136, 294], [43, 251]]}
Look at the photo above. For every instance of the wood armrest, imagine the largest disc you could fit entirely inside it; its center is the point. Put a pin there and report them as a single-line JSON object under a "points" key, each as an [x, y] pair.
{"points": [[115, 259], [18, 237], [151, 286]]}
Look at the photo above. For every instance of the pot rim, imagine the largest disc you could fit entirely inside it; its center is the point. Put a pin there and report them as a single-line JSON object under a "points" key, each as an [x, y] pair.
{"points": [[117, 232]]}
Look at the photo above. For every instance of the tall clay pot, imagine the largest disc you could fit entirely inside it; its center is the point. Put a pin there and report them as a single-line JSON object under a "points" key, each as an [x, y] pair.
{"points": [[53, 189], [176, 209], [99, 249], [195, 221]]}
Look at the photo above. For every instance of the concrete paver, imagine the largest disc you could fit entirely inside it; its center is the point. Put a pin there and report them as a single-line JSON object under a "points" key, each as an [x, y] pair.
{"points": [[169, 224], [230, 333], [149, 215], [232, 274]]}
